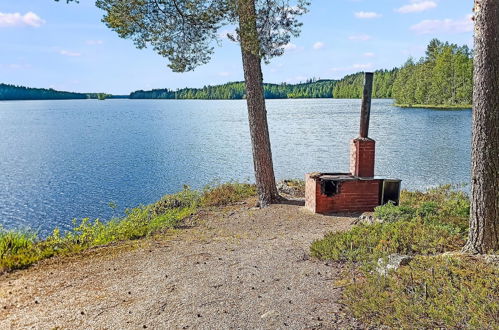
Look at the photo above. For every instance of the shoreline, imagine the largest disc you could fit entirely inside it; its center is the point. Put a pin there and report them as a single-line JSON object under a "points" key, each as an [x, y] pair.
{"points": [[435, 107]]}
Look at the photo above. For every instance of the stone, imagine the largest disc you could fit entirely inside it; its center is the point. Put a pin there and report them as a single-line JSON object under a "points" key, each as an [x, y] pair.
{"points": [[367, 218], [394, 262], [290, 187]]}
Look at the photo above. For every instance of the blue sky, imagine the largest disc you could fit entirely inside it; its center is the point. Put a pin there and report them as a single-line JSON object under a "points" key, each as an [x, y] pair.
{"points": [[53, 44]]}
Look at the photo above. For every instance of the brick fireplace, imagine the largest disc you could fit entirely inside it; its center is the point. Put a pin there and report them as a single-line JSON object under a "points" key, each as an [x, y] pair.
{"points": [[359, 190]]}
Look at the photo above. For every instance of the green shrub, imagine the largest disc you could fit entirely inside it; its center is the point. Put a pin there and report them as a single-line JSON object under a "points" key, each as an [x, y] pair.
{"points": [[431, 292], [391, 213], [368, 243], [184, 198], [12, 242], [226, 193], [443, 205]]}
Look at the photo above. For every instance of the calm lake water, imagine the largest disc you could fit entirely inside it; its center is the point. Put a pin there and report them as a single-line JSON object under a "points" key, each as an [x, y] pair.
{"points": [[61, 160]]}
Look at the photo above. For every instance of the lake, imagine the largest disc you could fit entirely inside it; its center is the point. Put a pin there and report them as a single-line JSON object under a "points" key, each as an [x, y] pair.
{"points": [[61, 160]]}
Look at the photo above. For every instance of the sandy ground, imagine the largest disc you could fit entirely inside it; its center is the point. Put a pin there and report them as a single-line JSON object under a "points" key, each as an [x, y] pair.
{"points": [[230, 268]]}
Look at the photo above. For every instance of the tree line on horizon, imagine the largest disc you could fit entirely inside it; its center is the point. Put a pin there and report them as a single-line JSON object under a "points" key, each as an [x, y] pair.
{"points": [[236, 90], [443, 77], [17, 93], [13, 92]]}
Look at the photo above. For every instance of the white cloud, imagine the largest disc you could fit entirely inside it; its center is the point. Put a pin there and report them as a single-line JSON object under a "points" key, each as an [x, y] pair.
{"points": [[15, 66], [354, 67], [224, 74], [365, 66], [444, 26], [16, 19], [369, 54], [339, 69], [416, 6], [367, 14], [69, 53], [360, 37], [94, 42], [319, 45], [290, 46]]}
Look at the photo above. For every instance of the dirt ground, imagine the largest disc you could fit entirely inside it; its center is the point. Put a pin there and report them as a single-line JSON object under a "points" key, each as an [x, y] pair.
{"points": [[231, 268]]}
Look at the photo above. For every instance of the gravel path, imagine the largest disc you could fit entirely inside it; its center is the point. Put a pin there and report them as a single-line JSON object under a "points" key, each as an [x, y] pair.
{"points": [[233, 268]]}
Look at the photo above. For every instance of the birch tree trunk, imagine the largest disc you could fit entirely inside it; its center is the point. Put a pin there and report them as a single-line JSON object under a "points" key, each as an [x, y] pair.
{"points": [[255, 98], [484, 217]]}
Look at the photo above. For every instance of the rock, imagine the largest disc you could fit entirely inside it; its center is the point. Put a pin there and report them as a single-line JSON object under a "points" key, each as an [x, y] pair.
{"points": [[393, 262], [492, 259], [291, 187], [367, 218]]}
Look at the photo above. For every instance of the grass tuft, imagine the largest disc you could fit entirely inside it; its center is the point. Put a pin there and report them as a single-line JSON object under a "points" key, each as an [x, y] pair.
{"points": [[226, 193]]}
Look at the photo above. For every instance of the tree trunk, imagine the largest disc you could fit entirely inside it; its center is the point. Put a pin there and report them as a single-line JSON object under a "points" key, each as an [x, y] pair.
{"points": [[484, 217], [257, 113]]}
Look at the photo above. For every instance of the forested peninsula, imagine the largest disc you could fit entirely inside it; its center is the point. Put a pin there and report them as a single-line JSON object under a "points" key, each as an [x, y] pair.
{"points": [[15, 93], [440, 79], [12, 92], [443, 78]]}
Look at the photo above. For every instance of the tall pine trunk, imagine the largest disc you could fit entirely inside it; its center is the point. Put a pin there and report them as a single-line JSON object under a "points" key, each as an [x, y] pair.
{"points": [[484, 218], [257, 113]]}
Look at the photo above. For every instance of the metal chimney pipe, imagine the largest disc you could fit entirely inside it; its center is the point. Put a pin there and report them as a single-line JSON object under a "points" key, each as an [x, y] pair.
{"points": [[365, 111]]}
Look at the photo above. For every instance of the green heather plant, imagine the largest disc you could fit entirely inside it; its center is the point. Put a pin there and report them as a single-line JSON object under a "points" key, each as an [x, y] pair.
{"points": [[435, 290], [439, 292], [425, 223]]}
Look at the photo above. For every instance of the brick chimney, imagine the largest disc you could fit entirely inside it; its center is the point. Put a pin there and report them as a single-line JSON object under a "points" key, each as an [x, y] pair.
{"points": [[362, 149], [362, 152]]}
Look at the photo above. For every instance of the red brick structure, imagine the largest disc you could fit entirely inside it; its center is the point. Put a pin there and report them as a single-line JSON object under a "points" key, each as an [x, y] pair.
{"points": [[329, 193], [362, 152], [359, 190]]}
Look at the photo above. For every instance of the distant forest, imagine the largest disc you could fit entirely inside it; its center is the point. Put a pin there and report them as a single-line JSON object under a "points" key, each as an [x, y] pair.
{"points": [[11, 92], [236, 90], [444, 77]]}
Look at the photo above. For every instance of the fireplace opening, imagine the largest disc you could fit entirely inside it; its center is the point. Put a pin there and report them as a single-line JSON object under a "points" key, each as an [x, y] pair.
{"points": [[390, 192], [330, 188]]}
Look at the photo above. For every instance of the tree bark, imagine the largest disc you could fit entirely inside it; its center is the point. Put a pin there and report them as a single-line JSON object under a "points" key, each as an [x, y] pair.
{"points": [[484, 214], [255, 98]]}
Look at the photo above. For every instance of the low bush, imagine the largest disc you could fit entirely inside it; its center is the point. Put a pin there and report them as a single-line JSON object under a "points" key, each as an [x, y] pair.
{"points": [[425, 223], [368, 243]]}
